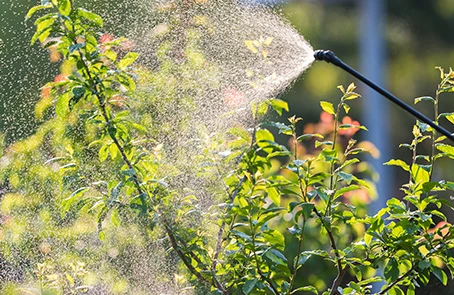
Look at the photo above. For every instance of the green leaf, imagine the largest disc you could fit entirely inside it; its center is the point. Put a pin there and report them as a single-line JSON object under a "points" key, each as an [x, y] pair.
{"points": [[276, 257], [45, 22], [447, 149], [103, 152], [322, 194], [448, 116], [90, 16], [283, 128], [115, 217], [303, 258], [110, 54], [309, 136], [352, 96], [41, 35], [66, 203], [64, 6], [391, 270], [411, 289], [346, 177], [34, 9], [101, 236], [420, 174], [348, 126], [328, 107], [275, 238], [423, 126], [440, 274], [345, 189], [424, 98], [62, 106], [249, 286], [396, 291], [311, 289], [78, 93], [307, 209], [346, 107], [328, 155], [274, 195], [263, 137], [115, 193], [278, 105], [127, 60], [351, 87], [398, 163], [242, 235]]}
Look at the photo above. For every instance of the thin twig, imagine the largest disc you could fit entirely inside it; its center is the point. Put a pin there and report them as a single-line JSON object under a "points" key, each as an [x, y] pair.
{"points": [[402, 277], [340, 270]]}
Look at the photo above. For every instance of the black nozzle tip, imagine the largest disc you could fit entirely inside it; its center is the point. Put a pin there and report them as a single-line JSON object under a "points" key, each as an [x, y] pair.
{"points": [[326, 55]]}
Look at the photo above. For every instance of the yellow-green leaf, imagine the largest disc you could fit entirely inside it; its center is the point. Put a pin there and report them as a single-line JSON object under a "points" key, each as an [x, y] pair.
{"points": [[268, 41], [328, 107], [420, 174], [90, 16], [115, 217], [62, 106], [250, 45], [448, 116], [34, 9], [274, 196], [447, 149], [127, 60], [398, 163], [64, 6]]}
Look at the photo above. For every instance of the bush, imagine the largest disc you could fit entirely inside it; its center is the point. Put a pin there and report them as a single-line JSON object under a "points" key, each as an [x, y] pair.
{"points": [[97, 205]]}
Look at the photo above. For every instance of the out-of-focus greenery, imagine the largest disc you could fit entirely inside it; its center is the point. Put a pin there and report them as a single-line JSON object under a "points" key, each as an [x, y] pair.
{"points": [[61, 237]]}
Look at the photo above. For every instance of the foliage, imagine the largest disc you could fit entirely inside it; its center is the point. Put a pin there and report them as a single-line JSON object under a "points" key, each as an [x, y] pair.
{"points": [[100, 176]]}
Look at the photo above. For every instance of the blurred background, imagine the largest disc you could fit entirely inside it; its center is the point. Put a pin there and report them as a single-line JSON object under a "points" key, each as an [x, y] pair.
{"points": [[397, 44]]}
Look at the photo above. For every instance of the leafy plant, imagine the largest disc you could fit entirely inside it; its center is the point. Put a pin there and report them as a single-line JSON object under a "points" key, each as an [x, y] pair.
{"points": [[279, 214]]}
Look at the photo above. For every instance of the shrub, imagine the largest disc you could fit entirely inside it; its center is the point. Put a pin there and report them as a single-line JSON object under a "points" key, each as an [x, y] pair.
{"points": [[97, 205]]}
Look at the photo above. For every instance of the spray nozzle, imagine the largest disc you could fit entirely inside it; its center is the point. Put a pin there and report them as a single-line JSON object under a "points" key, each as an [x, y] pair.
{"points": [[327, 55]]}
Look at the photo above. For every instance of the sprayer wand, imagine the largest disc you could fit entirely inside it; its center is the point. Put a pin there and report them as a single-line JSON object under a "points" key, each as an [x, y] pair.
{"points": [[330, 57]]}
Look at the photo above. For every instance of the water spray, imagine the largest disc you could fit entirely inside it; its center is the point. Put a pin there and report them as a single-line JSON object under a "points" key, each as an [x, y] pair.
{"points": [[330, 57]]}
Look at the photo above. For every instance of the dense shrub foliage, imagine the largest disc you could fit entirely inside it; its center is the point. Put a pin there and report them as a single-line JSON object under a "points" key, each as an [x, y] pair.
{"points": [[99, 201]]}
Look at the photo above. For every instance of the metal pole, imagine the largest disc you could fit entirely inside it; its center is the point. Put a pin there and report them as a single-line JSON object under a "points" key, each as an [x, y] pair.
{"points": [[375, 110]]}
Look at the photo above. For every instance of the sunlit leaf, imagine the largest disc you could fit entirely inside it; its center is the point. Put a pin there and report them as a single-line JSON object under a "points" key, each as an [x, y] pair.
{"points": [[64, 6], [34, 9], [448, 116], [279, 105], [115, 217], [276, 257], [424, 98], [328, 107], [398, 163], [250, 45], [274, 196], [448, 150], [309, 136], [90, 16], [126, 61], [310, 289]]}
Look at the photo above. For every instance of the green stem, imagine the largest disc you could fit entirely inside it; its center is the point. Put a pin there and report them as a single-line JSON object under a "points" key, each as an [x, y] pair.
{"points": [[434, 134], [297, 258], [332, 182]]}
